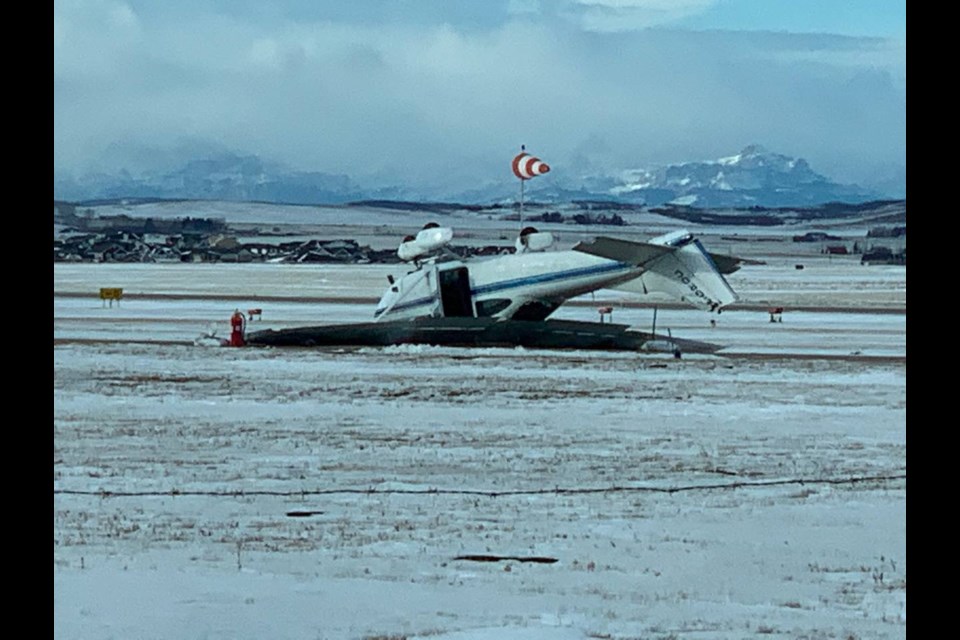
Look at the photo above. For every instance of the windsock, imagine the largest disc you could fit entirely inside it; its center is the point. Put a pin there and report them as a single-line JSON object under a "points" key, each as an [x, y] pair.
{"points": [[526, 166]]}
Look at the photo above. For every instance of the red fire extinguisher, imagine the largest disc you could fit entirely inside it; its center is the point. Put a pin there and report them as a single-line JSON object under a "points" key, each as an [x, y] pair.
{"points": [[237, 328]]}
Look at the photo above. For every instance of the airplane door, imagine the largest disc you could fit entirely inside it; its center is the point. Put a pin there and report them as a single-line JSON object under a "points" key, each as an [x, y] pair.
{"points": [[455, 293]]}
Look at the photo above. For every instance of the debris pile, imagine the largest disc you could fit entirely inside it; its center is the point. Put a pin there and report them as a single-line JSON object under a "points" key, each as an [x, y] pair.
{"points": [[122, 246]]}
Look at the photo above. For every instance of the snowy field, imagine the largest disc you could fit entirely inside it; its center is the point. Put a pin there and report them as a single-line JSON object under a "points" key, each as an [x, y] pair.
{"points": [[204, 492], [383, 228]]}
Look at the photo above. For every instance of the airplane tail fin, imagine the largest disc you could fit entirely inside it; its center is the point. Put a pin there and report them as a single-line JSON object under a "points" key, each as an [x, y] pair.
{"points": [[686, 272]]}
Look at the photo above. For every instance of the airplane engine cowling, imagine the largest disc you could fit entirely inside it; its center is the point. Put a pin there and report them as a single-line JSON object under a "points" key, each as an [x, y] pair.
{"points": [[532, 240], [430, 239]]}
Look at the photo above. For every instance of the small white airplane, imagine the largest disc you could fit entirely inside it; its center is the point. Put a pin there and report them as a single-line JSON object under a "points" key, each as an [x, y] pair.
{"points": [[533, 282]]}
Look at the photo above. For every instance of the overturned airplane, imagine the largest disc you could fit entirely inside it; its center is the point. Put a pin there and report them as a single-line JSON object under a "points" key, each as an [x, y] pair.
{"points": [[506, 300]]}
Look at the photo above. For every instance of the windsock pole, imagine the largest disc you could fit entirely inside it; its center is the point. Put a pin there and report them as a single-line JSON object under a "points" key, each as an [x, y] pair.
{"points": [[521, 203], [523, 149]]}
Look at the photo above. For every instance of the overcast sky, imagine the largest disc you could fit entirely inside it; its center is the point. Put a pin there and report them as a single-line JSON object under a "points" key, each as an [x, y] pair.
{"points": [[441, 93]]}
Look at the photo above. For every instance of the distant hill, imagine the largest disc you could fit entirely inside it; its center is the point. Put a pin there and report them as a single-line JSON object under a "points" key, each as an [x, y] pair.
{"points": [[225, 177], [753, 177]]}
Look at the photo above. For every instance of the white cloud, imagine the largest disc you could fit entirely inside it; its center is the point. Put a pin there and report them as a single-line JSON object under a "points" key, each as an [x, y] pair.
{"points": [[93, 38], [121, 17], [884, 55], [628, 15], [437, 104], [265, 52], [518, 7], [686, 6]]}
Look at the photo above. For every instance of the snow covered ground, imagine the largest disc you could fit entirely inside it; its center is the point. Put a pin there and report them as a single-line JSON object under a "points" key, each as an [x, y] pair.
{"points": [[204, 492]]}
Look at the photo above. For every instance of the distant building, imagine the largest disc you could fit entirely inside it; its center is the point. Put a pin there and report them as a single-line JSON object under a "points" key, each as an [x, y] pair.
{"points": [[884, 255], [887, 232]]}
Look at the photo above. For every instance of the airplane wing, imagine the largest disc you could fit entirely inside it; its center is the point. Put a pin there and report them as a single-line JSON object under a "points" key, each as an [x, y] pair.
{"points": [[641, 252], [637, 253], [725, 264]]}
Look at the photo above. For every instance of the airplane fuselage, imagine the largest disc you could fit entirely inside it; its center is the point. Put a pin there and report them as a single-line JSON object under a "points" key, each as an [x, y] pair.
{"points": [[521, 286]]}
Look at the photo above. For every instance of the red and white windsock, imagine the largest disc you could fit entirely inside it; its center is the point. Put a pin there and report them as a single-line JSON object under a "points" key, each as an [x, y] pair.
{"points": [[526, 166]]}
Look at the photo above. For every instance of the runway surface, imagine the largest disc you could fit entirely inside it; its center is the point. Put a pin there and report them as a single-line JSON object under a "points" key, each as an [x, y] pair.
{"points": [[209, 492]]}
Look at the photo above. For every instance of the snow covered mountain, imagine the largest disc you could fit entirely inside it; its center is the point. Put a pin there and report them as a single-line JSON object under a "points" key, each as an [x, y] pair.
{"points": [[754, 176], [223, 177]]}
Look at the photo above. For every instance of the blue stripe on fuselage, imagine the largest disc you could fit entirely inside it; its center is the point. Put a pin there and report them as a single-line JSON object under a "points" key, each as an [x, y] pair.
{"points": [[407, 305], [551, 277]]}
